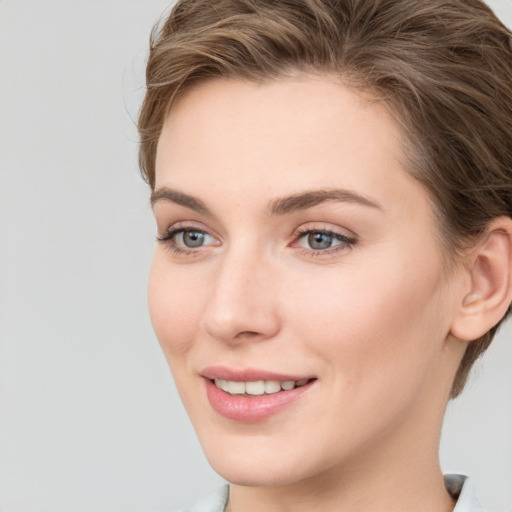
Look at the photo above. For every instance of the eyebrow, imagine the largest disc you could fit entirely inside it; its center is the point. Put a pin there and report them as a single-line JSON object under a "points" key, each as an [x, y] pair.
{"points": [[278, 206], [304, 200], [180, 198]]}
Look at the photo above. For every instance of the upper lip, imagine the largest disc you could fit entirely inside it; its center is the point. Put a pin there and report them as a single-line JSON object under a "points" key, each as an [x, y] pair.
{"points": [[247, 374]]}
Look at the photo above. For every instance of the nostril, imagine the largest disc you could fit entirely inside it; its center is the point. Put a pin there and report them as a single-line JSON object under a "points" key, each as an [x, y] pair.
{"points": [[247, 334]]}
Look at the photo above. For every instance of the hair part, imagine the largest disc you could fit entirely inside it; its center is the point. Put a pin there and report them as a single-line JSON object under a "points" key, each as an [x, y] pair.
{"points": [[442, 67]]}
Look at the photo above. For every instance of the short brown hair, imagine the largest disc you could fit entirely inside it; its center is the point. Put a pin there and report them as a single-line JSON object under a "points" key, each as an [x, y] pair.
{"points": [[443, 67]]}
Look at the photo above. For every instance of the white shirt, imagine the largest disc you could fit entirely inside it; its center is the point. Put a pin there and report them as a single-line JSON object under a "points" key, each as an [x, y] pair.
{"points": [[459, 486]]}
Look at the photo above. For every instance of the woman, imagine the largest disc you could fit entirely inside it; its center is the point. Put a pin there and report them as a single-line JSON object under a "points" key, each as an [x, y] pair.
{"points": [[332, 186]]}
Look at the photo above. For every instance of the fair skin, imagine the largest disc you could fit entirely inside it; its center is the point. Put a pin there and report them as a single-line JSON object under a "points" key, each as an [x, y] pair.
{"points": [[348, 290]]}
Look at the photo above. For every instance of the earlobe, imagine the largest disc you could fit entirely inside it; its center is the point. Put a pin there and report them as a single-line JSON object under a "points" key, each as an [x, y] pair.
{"points": [[489, 295]]}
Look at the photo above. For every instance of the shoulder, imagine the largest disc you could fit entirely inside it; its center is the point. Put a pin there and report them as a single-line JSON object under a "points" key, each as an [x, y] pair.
{"points": [[463, 490], [215, 502]]}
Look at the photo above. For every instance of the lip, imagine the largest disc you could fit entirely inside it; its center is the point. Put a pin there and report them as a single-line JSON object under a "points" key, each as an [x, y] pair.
{"points": [[250, 409], [248, 374]]}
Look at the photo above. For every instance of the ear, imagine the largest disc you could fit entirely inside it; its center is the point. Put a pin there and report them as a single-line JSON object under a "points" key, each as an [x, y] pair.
{"points": [[488, 293]]}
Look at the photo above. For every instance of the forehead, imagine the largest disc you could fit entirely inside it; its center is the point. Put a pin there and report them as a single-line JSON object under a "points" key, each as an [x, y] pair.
{"points": [[290, 120], [275, 104], [227, 139]]}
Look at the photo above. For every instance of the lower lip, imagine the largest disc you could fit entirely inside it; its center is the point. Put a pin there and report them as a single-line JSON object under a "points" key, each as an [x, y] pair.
{"points": [[246, 409]]}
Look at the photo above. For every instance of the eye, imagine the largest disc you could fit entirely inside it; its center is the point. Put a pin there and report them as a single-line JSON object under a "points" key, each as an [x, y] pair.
{"points": [[192, 239], [323, 241], [186, 240], [320, 241]]}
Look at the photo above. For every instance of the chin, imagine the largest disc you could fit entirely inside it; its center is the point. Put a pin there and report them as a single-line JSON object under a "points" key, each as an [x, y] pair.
{"points": [[245, 472], [244, 465], [263, 461]]}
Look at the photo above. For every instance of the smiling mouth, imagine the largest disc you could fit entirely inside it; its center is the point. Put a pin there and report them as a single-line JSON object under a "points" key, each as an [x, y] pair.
{"points": [[258, 388]]}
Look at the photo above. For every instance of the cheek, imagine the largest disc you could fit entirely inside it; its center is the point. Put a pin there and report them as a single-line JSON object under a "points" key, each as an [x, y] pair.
{"points": [[378, 325], [174, 307]]}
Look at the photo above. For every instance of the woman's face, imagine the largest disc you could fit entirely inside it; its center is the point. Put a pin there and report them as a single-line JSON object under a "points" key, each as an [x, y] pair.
{"points": [[296, 254]]}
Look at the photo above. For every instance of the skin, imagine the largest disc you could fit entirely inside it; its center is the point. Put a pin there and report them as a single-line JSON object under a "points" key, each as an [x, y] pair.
{"points": [[370, 320]]}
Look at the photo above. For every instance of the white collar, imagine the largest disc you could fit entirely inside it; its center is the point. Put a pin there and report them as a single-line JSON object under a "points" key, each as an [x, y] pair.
{"points": [[462, 489]]}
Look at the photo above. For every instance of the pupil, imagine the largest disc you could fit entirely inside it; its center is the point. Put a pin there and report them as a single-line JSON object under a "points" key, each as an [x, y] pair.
{"points": [[320, 241], [193, 238]]}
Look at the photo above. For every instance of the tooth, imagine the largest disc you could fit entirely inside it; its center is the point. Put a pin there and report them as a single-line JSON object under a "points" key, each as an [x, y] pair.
{"points": [[255, 388], [236, 388], [222, 384], [301, 382], [288, 384], [272, 386]]}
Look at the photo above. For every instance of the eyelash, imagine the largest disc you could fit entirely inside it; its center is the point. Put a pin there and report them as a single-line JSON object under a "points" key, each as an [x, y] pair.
{"points": [[168, 240], [346, 241]]}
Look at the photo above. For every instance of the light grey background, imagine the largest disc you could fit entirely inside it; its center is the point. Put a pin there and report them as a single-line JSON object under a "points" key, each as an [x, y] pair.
{"points": [[89, 419]]}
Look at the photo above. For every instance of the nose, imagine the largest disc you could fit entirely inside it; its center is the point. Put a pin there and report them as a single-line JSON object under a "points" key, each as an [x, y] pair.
{"points": [[243, 304]]}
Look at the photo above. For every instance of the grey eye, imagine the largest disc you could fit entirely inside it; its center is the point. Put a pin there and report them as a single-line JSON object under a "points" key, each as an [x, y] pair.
{"points": [[192, 239], [319, 241]]}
